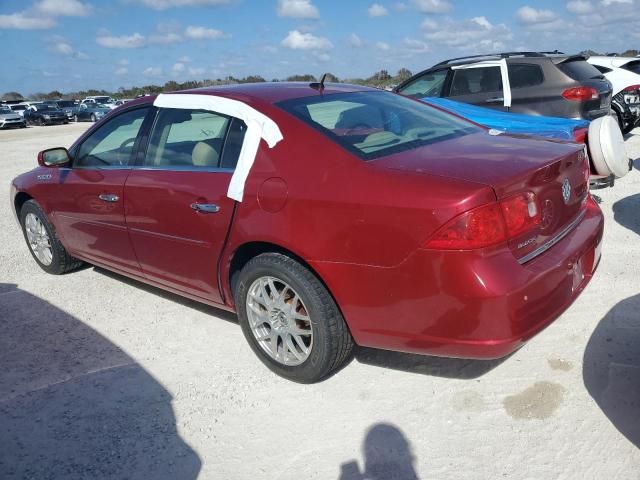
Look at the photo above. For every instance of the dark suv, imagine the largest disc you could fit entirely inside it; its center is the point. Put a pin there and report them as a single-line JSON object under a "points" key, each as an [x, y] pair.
{"points": [[551, 84]]}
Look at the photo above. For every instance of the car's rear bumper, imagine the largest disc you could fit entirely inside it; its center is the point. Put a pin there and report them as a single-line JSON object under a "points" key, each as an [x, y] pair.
{"points": [[465, 304]]}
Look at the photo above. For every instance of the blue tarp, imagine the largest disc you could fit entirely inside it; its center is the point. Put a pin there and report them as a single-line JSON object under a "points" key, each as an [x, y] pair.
{"points": [[551, 127]]}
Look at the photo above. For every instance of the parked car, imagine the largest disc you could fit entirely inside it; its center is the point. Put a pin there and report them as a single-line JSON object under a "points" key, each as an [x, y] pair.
{"points": [[601, 137], [103, 100], [69, 107], [366, 217], [43, 114], [18, 108], [555, 85], [624, 75], [10, 119], [90, 112]]}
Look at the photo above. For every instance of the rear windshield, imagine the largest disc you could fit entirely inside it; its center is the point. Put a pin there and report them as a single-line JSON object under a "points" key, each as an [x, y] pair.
{"points": [[376, 124], [633, 66], [579, 70]]}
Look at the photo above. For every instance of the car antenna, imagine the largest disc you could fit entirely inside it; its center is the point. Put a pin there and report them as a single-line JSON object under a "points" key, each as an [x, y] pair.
{"points": [[319, 85]]}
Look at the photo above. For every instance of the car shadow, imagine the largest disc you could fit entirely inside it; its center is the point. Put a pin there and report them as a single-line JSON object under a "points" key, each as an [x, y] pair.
{"points": [[458, 368], [73, 405], [387, 456], [173, 297], [611, 367], [626, 212]]}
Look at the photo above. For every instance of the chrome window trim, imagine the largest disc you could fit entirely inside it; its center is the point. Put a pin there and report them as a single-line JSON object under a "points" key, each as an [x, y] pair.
{"points": [[184, 169], [550, 243]]}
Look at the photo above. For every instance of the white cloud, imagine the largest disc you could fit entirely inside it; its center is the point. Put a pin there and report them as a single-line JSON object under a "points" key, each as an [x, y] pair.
{"points": [[400, 6], [23, 21], [124, 41], [478, 32], [43, 14], [164, 4], [195, 71], [184, 59], [607, 3], [166, 38], [123, 62], [152, 72], [433, 6], [355, 41], [62, 48], [202, 33], [377, 10], [429, 24], [580, 7], [297, 9], [178, 67], [121, 71], [530, 15], [323, 57], [483, 22], [59, 8], [415, 46], [382, 46], [297, 40]]}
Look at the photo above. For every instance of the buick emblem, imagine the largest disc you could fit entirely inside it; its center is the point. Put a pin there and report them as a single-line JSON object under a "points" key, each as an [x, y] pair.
{"points": [[547, 215], [566, 190]]}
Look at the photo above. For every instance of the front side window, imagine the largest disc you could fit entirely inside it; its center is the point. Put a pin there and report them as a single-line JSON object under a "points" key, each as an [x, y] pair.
{"points": [[186, 139], [469, 81], [427, 85], [375, 124], [112, 144]]}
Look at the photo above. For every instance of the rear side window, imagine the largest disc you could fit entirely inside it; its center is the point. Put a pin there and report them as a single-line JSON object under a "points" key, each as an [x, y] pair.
{"points": [[579, 70], [186, 139], [633, 66], [521, 76], [375, 124], [426, 85], [468, 81]]}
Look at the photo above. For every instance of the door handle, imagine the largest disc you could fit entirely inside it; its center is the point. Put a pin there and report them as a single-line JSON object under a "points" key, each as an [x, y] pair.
{"points": [[109, 197], [205, 207], [494, 99]]}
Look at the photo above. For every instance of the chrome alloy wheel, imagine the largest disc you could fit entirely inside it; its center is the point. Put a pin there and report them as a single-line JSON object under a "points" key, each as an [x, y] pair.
{"points": [[279, 321], [38, 239]]}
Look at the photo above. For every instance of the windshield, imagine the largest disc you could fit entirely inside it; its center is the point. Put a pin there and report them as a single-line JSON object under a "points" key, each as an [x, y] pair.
{"points": [[66, 103], [376, 124], [42, 108]]}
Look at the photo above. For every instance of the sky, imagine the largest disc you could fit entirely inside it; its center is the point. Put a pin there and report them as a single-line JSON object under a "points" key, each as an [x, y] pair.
{"points": [[69, 45]]}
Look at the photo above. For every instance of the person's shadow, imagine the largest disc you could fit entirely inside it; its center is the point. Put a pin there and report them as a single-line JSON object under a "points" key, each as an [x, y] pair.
{"points": [[611, 367], [627, 212], [75, 406], [387, 456]]}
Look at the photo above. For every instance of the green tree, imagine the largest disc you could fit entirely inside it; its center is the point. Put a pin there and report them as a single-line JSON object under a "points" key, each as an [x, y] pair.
{"points": [[12, 96]]}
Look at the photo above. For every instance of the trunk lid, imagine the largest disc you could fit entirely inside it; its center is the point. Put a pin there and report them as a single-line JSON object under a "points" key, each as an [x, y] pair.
{"points": [[555, 171]]}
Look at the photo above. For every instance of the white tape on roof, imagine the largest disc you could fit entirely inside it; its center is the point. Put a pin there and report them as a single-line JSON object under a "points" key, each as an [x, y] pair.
{"points": [[258, 126]]}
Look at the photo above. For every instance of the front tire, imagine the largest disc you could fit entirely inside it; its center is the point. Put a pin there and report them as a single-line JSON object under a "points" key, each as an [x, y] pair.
{"points": [[290, 319], [75, 118], [43, 243], [93, 118]]}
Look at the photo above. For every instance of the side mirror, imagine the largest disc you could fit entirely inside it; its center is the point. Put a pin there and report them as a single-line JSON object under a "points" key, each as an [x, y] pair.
{"points": [[54, 157]]}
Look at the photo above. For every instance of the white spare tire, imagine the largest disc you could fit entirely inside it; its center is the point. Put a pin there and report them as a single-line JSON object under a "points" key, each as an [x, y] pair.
{"points": [[606, 147]]}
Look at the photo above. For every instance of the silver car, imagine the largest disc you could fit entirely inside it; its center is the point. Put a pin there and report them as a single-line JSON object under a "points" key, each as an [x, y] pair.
{"points": [[8, 118]]}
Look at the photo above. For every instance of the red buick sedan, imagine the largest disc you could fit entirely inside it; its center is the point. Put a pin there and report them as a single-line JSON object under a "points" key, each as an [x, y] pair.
{"points": [[369, 218]]}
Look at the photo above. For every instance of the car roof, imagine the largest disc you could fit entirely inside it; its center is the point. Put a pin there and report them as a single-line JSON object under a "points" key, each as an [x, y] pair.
{"points": [[267, 92]]}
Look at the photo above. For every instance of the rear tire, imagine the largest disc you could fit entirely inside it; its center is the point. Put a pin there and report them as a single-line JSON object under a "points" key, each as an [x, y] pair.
{"points": [[327, 343], [75, 118], [93, 118], [34, 221]]}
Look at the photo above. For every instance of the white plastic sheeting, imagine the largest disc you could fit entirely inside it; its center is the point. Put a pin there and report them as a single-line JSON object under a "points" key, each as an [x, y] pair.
{"points": [[258, 126]]}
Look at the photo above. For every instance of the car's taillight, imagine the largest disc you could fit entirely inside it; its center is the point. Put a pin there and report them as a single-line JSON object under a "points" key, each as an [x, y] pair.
{"points": [[520, 213], [580, 134], [631, 88], [488, 225], [581, 94]]}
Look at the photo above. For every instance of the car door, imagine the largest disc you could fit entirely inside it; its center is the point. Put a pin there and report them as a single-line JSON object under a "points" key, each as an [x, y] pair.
{"points": [[484, 83], [89, 198], [177, 208]]}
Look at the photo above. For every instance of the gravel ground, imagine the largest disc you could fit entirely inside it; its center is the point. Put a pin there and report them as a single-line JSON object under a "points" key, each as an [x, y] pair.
{"points": [[102, 377]]}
